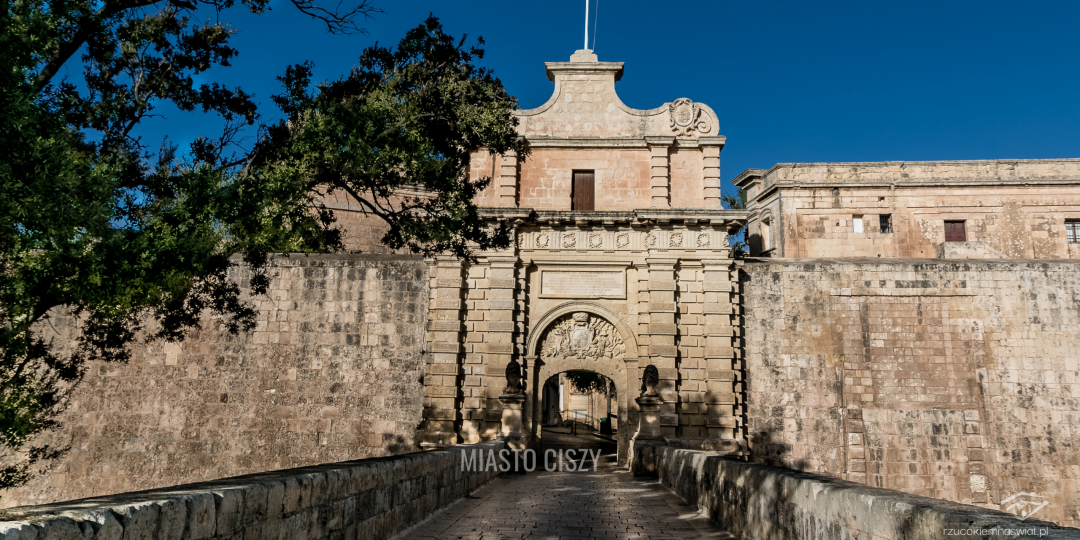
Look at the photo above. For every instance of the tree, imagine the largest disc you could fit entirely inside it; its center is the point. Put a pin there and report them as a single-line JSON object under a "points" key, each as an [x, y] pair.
{"points": [[128, 243], [588, 382], [404, 118], [737, 202]]}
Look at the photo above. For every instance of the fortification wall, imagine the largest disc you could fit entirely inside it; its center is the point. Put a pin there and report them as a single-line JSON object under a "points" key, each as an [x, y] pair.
{"points": [[331, 373], [949, 379]]}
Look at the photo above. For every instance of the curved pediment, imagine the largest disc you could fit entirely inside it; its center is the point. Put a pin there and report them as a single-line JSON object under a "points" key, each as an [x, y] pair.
{"points": [[586, 105]]}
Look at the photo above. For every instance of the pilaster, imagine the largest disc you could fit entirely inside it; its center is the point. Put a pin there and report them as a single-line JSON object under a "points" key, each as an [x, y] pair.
{"points": [[710, 154], [498, 330], [507, 182], [663, 330], [442, 379], [691, 344], [722, 400], [660, 181]]}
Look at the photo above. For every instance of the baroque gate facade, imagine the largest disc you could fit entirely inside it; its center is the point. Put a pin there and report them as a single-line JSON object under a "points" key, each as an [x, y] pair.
{"points": [[621, 261]]}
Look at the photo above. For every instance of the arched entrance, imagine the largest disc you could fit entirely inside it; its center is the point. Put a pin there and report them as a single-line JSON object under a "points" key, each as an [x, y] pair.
{"points": [[583, 336]]}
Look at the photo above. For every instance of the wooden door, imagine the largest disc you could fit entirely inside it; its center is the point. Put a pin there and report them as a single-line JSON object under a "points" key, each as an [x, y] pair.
{"points": [[955, 232], [583, 195]]}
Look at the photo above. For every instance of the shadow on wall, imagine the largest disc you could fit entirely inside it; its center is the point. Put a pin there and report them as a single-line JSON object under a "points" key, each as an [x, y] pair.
{"points": [[396, 444], [768, 449]]}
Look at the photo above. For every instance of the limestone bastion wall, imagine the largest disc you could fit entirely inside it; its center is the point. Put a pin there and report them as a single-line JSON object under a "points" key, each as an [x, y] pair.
{"points": [[949, 379], [330, 373]]}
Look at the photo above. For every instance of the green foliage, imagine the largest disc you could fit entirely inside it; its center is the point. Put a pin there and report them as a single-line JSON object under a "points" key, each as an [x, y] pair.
{"points": [[121, 242], [735, 202], [395, 135], [739, 248], [589, 382]]}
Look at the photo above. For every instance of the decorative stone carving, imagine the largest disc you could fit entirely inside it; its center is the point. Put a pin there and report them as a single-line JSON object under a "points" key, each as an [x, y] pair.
{"points": [[675, 240], [569, 241], [583, 337], [686, 117], [649, 380], [650, 240], [595, 240], [622, 240], [513, 379], [703, 240], [542, 240]]}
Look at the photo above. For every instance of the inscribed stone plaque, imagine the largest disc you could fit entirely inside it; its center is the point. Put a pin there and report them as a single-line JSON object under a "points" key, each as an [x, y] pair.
{"points": [[582, 284]]}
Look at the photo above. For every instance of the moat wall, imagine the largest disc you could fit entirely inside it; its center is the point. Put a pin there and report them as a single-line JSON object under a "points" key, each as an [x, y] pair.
{"points": [[331, 373], [948, 379]]}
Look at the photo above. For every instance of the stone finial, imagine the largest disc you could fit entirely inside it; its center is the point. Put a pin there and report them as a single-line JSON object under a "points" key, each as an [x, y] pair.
{"points": [[649, 380], [584, 55], [513, 379]]}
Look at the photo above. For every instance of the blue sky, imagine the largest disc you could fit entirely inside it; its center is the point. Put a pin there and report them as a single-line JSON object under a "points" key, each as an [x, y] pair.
{"points": [[790, 81]]}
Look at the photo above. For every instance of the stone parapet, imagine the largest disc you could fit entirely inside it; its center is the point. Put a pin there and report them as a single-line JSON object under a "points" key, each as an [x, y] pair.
{"points": [[770, 503], [370, 498]]}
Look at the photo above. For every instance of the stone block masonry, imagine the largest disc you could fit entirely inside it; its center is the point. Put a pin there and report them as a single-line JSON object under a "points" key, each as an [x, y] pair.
{"points": [[331, 372], [365, 499], [770, 503], [957, 380]]}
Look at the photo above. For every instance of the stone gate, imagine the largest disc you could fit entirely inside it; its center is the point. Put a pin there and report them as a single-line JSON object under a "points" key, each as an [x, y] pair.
{"points": [[621, 260]]}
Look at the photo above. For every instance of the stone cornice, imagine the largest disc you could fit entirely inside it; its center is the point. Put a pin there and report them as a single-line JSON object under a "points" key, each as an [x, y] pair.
{"points": [[642, 217], [584, 67], [624, 142]]}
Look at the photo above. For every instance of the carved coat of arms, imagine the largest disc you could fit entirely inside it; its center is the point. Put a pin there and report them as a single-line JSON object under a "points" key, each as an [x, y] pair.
{"points": [[584, 337], [686, 116]]}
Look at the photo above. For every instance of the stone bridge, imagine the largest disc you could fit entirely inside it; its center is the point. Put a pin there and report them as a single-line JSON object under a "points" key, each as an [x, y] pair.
{"points": [[442, 494]]}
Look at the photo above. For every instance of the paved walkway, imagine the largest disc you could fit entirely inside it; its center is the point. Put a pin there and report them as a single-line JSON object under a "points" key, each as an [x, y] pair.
{"points": [[608, 503]]}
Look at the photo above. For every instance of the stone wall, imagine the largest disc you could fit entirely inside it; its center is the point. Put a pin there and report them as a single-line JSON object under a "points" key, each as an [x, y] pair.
{"points": [[331, 372], [370, 499], [768, 503], [949, 379]]}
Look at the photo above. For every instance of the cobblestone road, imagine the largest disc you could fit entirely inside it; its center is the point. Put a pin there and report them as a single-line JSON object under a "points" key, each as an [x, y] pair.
{"points": [[608, 503]]}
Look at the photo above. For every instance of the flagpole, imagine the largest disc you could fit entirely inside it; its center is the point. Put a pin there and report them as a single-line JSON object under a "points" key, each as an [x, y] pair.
{"points": [[586, 24]]}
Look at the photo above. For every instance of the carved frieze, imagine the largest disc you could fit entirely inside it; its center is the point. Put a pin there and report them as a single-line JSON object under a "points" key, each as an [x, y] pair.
{"points": [[582, 336], [622, 240]]}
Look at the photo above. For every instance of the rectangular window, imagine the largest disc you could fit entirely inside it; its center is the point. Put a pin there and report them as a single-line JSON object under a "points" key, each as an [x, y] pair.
{"points": [[1072, 231], [955, 231], [885, 221], [766, 236], [856, 224], [583, 195]]}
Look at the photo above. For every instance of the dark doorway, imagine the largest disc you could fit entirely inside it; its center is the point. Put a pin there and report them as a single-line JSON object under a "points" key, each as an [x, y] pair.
{"points": [[955, 231], [583, 196]]}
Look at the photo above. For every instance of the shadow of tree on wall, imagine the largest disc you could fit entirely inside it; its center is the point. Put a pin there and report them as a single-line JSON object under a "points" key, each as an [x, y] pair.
{"points": [[396, 444], [768, 449]]}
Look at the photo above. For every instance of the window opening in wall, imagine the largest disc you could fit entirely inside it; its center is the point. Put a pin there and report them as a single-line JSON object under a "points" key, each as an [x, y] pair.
{"points": [[856, 224], [583, 194], [766, 240], [1072, 231], [955, 231], [885, 222]]}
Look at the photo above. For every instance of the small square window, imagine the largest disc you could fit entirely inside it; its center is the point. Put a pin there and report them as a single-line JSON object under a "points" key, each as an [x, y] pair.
{"points": [[885, 221], [856, 224], [955, 231], [1072, 231]]}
